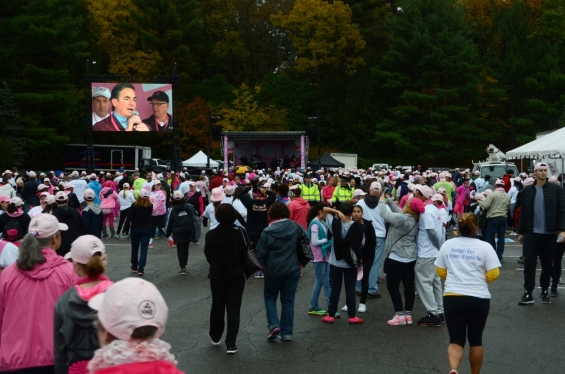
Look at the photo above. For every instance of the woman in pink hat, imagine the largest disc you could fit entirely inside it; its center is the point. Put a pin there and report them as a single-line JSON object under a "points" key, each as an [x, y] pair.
{"points": [[75, 334], [140, 218], [158, 198], [195, 198], [132, 315], [209, 213], [34, 283], [108, 198]]}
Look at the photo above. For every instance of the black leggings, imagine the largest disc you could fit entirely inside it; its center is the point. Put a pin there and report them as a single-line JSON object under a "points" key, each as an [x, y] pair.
{"points": [[157, 222], [556, 269], [123, 215], [466, 317], [398, 272], [182, 254], [367, 265]]}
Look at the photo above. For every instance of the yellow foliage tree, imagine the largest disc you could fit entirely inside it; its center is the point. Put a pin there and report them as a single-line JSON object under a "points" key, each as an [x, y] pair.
{"points": [[323, 35], [123, 48], [245, 114]]}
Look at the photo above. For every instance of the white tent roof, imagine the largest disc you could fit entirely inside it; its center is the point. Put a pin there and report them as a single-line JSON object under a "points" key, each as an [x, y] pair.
{"points": [[199, 160], [549, 146]]}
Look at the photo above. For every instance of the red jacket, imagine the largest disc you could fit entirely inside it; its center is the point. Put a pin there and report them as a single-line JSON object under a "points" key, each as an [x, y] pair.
{"points": [[215, 182], [298, 211], [507, 182], [151, 367]]}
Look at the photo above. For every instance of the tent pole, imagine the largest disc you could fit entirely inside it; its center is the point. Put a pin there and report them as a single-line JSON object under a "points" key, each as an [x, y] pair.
{"points": [[561, 172]]}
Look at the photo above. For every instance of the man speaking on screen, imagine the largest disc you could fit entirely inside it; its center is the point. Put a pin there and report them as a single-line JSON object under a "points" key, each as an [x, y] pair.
{"points": [[124, 116], [160, 120]]}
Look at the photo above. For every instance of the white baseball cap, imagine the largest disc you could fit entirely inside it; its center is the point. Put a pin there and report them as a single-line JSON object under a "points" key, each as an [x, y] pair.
{"points": [[143, 193], [89, 194], [100, 91], [61, 196], [129, 304], [44, 225], [84, 248]]}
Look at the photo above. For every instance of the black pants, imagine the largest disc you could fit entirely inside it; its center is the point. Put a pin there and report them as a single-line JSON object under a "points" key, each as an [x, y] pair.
{"points": [[367, 265], [556, 269], [339, 276], [35, 370], [123, 215], [226, 299], [157, 222], [466, 317], [182, 254], [401, 272], [542, 246]]}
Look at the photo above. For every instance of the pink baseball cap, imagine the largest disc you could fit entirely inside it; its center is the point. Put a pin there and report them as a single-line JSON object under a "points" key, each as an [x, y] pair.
{"points": [[528, 181], [89, 194], [143, 193], [41, 186], [126, 185], [442, 191], [46, 180], [177, 195], [50, 199], [417, 205], [32, 174], [376, 186], [129, 304], [359, 192], [480, 196], [437, 197], [217, 195], [540, 165], [4, 199], [84, 248], [44, 225], [424, 190], [499, 182], [61, 196], [229, 190], [16, 201]]}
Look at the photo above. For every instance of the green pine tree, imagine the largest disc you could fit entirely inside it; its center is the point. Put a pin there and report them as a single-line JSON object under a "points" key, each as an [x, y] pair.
{"points": [[12, 142]]}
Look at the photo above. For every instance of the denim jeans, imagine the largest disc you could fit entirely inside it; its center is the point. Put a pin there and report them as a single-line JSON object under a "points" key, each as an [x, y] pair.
{"points": [[286, 285], [375, 269], [322, 271], [496, 225], [139, 237]]}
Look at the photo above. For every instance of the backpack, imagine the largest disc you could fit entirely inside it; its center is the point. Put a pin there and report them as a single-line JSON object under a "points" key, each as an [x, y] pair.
{"points": [[12, 231], [185, 219]]}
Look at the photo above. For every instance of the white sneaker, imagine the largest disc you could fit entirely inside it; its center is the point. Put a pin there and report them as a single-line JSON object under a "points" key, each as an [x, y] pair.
{"points": [[362, 308], [344, 309]]}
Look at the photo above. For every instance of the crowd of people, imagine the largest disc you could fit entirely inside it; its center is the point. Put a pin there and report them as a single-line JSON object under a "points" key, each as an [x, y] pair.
{"points": [[359, 229]]}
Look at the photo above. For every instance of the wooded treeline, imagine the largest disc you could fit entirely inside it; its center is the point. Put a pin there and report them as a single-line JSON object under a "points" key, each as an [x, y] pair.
{"points": [[413, 81]]}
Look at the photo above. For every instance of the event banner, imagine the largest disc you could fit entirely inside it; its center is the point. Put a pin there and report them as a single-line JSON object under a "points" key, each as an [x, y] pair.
{"points": [[132, 107]]}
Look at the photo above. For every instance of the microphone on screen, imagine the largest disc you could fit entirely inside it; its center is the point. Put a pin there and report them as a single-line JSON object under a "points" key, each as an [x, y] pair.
{"points": [[135, 113]]}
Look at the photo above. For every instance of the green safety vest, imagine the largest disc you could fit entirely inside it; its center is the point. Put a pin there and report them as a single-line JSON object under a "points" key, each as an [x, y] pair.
{"points": [[311, 193], [342, 194]]}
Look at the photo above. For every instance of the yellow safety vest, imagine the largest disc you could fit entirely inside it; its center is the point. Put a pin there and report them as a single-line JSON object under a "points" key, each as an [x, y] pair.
{"points": [[342, 194], [311, 193]]}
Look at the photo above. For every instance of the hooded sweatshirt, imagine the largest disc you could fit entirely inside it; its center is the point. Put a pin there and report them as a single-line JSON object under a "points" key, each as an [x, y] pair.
{"points": [[7, 190], [26, 339], [92, 219], [108, 198], [256, 212], [298, 211], [276, 249], [370, 212], [96, 187], [69, 216], [75, 332]]}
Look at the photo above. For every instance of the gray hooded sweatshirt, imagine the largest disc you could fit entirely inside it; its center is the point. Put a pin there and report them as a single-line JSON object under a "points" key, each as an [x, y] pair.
{"points": [[276, 249]]}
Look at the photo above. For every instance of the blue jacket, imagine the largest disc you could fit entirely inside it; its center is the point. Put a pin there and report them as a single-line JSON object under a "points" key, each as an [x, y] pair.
{"points": [[94, 185]]}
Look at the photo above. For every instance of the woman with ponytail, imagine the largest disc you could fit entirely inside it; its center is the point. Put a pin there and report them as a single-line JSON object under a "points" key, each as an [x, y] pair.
{"points": [[33, 284], [75, 331]]}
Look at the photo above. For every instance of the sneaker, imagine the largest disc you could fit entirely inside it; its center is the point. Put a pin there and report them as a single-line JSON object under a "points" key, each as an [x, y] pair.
{"points": [[362, 308], [545, 298], [408, 319], [328, 319], [258, 275], [116, 236], [171, 245], [285, 338], [381, 280], [375, 295], [125, 236], [231, 350], [526, 299], [521, 260], [416, 294], [273, 334], [133, 270], [441, 317], [554, 292], [317, 311], [213, 342], [140, 273], [156, 238], [453, 372], [150, 245], [182, 271], [344, 309], [355, 321], [358, 293], [337, 315], [429, 320], [397, 320]]}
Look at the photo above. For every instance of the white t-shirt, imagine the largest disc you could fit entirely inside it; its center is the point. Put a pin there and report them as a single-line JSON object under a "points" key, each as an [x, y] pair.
{"points": [[374, 216], [35, 211], [9, 255], [430, 219], [79, 185], [209, 213], [184, 187], [513, 193], [467, 260], [238, 205], [344, 229]]}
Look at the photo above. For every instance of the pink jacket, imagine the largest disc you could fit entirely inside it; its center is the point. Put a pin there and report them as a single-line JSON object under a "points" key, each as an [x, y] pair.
{"points": [[159, 204], [27, 305], [108, 202], [151, 367], [462, 194]]}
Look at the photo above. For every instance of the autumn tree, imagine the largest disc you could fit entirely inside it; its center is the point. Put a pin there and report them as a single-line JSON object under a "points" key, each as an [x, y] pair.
{"points": [[194, 125]]}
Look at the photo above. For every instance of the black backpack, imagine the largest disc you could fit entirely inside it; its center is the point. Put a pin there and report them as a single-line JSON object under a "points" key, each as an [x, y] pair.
{"points": [[12, 231], [185, 221]]}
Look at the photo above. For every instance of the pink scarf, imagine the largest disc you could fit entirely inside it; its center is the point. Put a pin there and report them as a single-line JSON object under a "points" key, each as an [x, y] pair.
{"points": [[17, 213]]}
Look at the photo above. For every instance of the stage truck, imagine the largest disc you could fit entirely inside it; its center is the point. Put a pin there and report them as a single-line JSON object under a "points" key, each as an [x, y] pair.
{"points": [[264, 150], [112, 158]]}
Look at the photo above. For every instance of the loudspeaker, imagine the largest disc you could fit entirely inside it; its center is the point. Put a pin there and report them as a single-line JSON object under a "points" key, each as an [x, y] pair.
{"points": [[313, 132], [216, 130]]}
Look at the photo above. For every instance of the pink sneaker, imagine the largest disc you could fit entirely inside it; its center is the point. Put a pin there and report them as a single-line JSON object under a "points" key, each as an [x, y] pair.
{"points": [[355, 321], [328, 319], [171, 243], [150, 245], [397, 320], [408, 319]]}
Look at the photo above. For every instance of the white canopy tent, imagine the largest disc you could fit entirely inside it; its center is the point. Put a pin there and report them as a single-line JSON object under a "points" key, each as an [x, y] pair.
{"points": [[199, 160], [549, 146]]}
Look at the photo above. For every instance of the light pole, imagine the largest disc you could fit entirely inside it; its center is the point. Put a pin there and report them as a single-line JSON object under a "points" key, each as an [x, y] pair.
{"points": [[317, 118], [211, 119]]}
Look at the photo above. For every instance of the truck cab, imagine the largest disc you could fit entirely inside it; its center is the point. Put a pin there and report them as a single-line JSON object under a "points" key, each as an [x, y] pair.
{"points": [[149, 164], [495, 165]]}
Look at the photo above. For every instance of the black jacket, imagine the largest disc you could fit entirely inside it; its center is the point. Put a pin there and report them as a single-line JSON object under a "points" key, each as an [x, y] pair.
{"points": [[22, 219], [554, 199], [181, 224], [256, 212], [92, 218], [73, 200], [348, 248], [368, 250], [71, 217], [139, 218], [29, 194], [225, 251]]}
